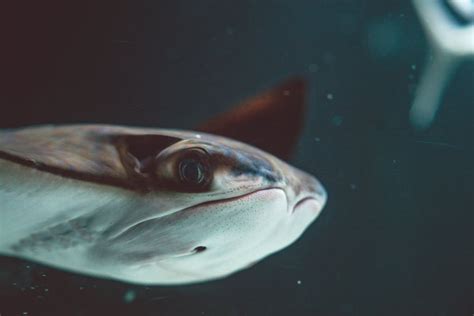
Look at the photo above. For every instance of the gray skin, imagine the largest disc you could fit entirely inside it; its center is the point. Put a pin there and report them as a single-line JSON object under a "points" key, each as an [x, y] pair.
{"points": [[85, 199]]}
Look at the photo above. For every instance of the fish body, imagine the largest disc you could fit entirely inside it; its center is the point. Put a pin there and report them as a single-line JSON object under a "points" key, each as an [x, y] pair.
{"points": [[148, 206]]}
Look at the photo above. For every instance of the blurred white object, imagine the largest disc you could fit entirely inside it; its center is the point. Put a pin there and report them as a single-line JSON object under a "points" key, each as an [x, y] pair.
{"points": [[451, 39], [464, 8]]}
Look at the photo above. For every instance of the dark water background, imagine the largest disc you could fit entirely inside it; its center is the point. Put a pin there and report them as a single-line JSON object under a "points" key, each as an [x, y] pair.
{"points": [[396, 237]]}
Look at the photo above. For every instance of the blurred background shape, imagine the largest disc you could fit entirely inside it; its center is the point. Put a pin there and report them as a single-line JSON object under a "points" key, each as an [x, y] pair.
{"points": [[449, 26]]}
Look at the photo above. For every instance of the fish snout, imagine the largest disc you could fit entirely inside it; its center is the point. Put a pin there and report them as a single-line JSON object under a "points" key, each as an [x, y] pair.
{"points": [[305, 191]]}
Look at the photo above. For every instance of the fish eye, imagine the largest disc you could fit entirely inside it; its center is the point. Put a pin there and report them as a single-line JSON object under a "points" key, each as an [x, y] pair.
{"points": [[193, 169]]}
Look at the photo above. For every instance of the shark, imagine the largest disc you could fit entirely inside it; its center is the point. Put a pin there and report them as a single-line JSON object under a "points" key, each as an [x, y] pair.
{"points": [[158, 206]]}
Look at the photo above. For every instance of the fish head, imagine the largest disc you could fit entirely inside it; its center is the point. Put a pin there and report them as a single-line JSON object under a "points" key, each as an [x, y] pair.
{"points": [[214, 206]]}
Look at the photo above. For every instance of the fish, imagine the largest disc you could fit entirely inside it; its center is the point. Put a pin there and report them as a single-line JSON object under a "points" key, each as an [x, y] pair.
{"points": [[158, 206]]}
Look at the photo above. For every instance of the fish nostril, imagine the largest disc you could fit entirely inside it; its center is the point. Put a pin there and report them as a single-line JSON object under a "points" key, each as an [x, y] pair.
{"points": [[303, 200], [311, 188], [199, 249]]}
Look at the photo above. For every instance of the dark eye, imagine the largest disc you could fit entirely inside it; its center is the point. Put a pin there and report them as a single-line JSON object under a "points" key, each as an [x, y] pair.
{"points": [[191, 171], [194, 169]]}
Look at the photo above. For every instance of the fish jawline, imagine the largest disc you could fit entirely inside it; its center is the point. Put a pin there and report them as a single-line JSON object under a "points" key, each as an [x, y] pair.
{"points": [[214, 202]]}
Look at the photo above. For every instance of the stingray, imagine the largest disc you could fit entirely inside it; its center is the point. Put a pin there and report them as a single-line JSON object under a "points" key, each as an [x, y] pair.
{"points": [[159, 206]]}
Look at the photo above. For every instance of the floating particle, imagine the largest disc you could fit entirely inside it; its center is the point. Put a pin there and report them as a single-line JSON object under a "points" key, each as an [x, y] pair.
{"points": [[129, 296], [313, 67], [330, 96], [337, 120], [385, 38], [298, 282], [328, 58]]}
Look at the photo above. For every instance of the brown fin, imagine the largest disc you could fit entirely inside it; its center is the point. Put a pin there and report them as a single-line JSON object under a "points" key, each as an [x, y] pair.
{"points": [[270, 121]]}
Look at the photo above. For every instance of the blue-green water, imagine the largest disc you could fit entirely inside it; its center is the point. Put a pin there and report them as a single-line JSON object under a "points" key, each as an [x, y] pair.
{"points": [[396, 237]]}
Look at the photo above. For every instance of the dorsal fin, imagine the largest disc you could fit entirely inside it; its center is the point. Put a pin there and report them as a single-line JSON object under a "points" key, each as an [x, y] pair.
{"points": [[270, 121]]}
